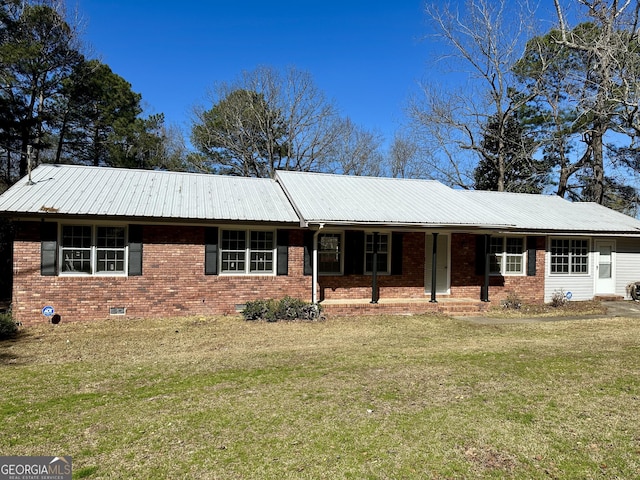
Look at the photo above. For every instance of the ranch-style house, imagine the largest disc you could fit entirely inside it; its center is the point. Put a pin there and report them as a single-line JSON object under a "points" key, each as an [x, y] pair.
{"points": [[95, 242]]}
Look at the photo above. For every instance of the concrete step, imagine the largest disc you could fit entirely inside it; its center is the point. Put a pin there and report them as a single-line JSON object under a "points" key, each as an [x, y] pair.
{"points": [[609, 298], [406, 307]]}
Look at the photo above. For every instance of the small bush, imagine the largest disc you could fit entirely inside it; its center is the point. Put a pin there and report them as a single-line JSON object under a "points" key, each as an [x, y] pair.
{"points": [[512, 302], [558, 299], [255, 310], [8, 328], [290, 308], [287, 308]]}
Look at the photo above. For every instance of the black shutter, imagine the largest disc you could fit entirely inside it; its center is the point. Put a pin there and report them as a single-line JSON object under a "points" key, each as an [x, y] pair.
{"points": [[531, 256], [48, 249], [353, 252], [211, 251], [308, 252], [480, 254], [135, 250], [396, 253], [283, 252]]}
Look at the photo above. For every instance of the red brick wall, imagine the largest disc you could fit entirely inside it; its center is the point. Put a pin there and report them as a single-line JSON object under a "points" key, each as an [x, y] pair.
{"points": [[466, 284], [173, 281], [464, 281], [408, 285]]}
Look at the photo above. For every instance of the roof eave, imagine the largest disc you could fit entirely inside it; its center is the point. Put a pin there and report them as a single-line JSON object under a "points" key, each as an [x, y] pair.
{"points": [[58, 216], [405, 225]]}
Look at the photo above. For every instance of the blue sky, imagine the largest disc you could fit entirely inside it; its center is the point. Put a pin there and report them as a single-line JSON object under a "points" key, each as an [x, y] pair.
{"points": [[366, 55]]}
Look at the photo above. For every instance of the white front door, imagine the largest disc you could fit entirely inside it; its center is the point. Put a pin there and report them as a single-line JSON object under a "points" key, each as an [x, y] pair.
{"points": [[442, 263], [605, 266]]}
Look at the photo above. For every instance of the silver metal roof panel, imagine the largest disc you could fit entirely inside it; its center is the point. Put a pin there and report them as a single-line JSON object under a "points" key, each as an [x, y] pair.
{"points": [[119, 192], [552, 213], [351, 199], [318, 198]]}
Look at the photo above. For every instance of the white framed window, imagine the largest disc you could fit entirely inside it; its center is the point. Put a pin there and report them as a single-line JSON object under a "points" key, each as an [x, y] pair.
{"points": [[262, 253], [93, 250], [247, 251], [569, 256], [507, 255], [384, 257], [330, 247]]}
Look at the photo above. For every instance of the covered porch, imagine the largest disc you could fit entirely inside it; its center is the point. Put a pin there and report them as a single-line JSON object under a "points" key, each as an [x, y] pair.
{"points": [[399, 271], [426, 270]]}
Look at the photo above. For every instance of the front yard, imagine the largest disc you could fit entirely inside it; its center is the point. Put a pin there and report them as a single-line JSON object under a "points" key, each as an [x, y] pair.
{"points": [[371, 397]]}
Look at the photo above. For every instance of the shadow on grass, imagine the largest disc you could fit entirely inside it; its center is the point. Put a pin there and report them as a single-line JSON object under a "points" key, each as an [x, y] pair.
{"points": [[8, 355]]}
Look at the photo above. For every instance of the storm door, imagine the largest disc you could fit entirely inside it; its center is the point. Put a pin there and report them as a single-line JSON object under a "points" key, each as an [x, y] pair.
{"points": [[605, 267]]}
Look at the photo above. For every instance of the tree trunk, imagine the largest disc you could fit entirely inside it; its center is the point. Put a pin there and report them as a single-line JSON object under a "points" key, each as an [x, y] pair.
{"points": [[598, 163], [39, 127], [501, 166], [563, 181], [23, 151], [8, 179], [63, 132]]}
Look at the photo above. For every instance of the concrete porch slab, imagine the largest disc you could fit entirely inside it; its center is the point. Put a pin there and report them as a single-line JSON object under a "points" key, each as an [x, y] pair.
{"points": [[403, 306]]}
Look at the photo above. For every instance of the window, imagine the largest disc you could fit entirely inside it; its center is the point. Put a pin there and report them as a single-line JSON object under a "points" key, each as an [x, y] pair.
{"points": [[383, 253], [506, 255], [330, 253], [93, 250], [569, 256], [261, 252], [233, 251], [110, 249], [253, 256]]}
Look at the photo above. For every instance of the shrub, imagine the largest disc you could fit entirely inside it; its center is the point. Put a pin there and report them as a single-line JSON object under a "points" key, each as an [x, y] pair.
{"points": [[311, 312], [558, 299], [512, 302], [290, 308], [287, 308], [255, 310], [8, 328]]}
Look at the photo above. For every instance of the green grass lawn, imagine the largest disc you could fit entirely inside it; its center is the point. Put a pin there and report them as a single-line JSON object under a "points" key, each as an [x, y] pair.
{"points": [[360, 398]]}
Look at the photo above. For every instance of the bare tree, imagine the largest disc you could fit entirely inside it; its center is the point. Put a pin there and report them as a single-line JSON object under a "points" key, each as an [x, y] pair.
{"points": [[404, 157], [483, 43], [266, 121], [610, 82], [586, 82], [356, 150]]}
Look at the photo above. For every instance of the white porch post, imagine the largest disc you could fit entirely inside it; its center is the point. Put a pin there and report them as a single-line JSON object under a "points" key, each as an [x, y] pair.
{"points": [[434, 273], [314, 270]]}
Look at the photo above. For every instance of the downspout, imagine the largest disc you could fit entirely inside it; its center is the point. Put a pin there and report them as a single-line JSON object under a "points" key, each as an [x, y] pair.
{"points": [[314, 271]]}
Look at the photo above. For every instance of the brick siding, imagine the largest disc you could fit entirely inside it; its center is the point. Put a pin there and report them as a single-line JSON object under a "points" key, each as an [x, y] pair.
{"points": [[408, 285], [466, 284], [173, 282]]}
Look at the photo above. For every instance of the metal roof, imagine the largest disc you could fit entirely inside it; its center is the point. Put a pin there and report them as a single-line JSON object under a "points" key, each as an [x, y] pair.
{"points": [[326, 198], [119, 192], [298, 198], [553, 214]]}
